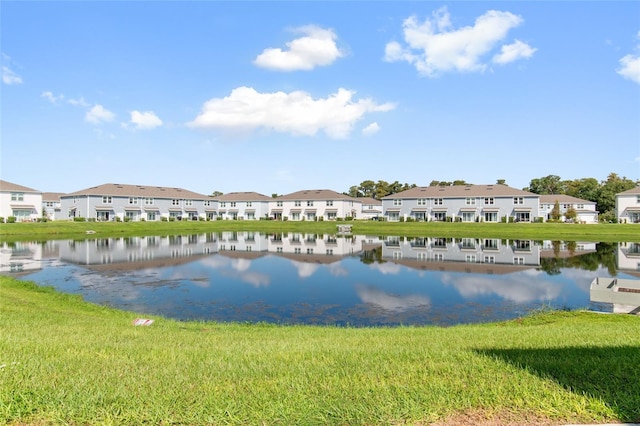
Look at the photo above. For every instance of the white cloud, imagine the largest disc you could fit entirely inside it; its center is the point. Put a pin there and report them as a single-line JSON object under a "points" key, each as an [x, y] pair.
{"points": [[145, 120], [513, 52], [630, 66], [51, 97], [296, 113], [316, 48], [434, 46], [99, 114], [9, 77], [78, 102], [371, 129]]}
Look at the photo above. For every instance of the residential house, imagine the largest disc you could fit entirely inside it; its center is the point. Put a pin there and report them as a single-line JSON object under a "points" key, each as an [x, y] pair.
{"points": [[243, 205], [585, 210], [371, 208], [628, 206], [114, 201], [19, 202], [465, 203], [317, 204], [51, 205]]}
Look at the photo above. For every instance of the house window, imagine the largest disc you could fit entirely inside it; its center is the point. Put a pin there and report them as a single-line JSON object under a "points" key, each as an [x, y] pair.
{"points": [[223, 204], [329, 252], [297, 250], [468, 216], [151, 216], [207, 203], [518, 200], [580, 206], [17, 196], [437, 202], [175, 202], [518, 260], [233, 204], [397, 202], [489, 200], [279, 203], [133, 200], [249, 204], [470, 201], [309, 203], [148, 201], [422, 201], [309, 251], [188, 202], [297, 203], [329, 203], [490, 216], [106, 200], [132, 216], [470, 258], [439, 216], [489, 259], [295, 216], [49, 204]]}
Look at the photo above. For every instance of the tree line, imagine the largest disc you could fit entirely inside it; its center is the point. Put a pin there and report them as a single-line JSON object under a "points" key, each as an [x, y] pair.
{"points": [[601, 192]]}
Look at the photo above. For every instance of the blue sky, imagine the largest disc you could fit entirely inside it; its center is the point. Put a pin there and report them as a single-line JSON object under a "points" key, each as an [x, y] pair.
{"points": [[276, 97]]}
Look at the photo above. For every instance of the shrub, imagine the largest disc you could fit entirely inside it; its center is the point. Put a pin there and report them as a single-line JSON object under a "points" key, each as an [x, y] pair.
{"points": [[11, 219], [79, 219], [1, 219], [126, 219], [163, 219]]}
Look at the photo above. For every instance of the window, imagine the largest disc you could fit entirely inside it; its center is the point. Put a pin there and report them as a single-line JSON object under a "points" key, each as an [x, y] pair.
{"points": [[490, 216], [491, 244], [207, 203], [106, 199], [188, 202], [489, 201], [249, 204], [309, 203], [133, 200], [329, 203], [17, 196], [489, 259], [309, 251], [130, 215], [397, 202], [437, 202], [468, 216], [151, 216], [580, 206], [148, 201], [223, 204], [470, 258], [49, 204], [439, 216], [279, 203], [470, 201], [422, 201], [297, 203], [518, 260], [329, 252], [175, 202], [297, 250], [233, 204], [518, 200]]}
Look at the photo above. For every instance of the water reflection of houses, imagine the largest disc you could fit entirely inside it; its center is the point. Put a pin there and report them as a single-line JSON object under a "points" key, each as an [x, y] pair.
{"points": [[24, 257], [566, 249], [478, 255], [628, 258]]}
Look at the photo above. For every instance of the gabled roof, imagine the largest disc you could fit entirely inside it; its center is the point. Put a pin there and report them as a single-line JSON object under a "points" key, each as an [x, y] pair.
{"points": [[458, 191], [121, 190], [242, 196], [52, 196], [562, 198], [8, 186], [631, 191], [316, 194], [368, 201]]}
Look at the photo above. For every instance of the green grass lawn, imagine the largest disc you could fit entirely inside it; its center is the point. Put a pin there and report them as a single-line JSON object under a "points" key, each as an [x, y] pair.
{"points": [[64, 361], [533, 231]]}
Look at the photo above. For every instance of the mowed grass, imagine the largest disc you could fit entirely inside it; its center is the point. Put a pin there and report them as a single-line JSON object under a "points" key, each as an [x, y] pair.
{"points": [[64, 361], [533, 231]]}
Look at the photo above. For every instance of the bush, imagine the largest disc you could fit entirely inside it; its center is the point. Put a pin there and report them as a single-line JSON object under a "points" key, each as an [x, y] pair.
{"points": [[347, 218], [163, 219], [126, 219], [1, 219], [172, 219], [79, 219], [11, 219]]}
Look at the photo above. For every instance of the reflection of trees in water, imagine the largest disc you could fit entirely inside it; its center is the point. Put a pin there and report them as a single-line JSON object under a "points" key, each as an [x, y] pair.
{"points": [[604, 256], [369, 257]]}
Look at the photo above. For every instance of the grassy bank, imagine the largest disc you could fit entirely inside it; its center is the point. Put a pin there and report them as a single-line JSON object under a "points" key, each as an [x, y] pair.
{"points": [[64, 361], [534, 231]]}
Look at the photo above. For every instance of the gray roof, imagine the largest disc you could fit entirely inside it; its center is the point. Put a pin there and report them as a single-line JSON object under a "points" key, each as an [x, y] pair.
{"points": [[368, 201], [631, 191], [122, 190], [316, 194], [562, 198], [458, 191], [242, 196], [8, 186]]}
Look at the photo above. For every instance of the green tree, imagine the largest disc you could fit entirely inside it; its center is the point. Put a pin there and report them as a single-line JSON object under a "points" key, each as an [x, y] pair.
{"points": [[585, 189], [216, 194], [555, 212], [501, 182], [551, 184], [606, 202], [354, 191], [571, 214]]}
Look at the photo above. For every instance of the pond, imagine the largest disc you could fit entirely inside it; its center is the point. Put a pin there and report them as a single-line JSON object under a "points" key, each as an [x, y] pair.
{"points": [[298, 278]]}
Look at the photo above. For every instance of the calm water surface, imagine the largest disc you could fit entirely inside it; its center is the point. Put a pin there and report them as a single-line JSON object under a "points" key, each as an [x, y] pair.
{"points": [[297, 278]]}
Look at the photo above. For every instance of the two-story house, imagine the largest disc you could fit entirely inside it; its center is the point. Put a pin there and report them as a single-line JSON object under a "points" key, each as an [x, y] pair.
{"points": [[243, 205], [628, 206], [585, 210], [316, 204], [51, 205], [465, 203], [19, 202], [371, 208], [114, 201]]}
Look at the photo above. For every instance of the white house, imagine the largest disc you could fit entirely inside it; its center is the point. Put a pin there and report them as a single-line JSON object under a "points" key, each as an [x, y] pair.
{"points": [[19, 202], [628, 206], [371, 208], [243, 205], [51, 205], [585, 210], [316, 204]]}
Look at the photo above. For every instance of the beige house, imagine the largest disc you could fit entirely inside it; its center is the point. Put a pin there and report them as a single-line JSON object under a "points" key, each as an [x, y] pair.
{"points": [[242, 206], [314, 204], [19, 202]]}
